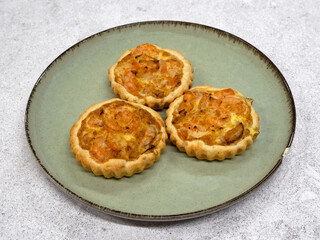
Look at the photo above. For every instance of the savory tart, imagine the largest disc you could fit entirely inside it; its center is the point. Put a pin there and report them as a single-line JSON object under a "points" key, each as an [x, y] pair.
{"points": [[116, 138], [212, 123], [151, 75]]}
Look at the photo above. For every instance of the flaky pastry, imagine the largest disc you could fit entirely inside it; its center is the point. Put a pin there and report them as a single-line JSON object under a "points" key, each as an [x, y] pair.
{"points": [[151, 75], [212, 123], [116, 138]]}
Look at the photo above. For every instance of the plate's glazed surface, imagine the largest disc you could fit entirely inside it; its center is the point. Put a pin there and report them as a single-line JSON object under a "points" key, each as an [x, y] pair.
{"points": [[177, 186]]}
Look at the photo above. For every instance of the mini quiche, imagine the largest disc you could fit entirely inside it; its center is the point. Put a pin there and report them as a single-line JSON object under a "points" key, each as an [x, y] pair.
{"points": [[212, 123], [116, 138], [151, 75]]}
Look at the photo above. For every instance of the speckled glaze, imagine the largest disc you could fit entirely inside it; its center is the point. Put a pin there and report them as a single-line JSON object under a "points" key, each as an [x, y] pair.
{"points": [[177, 186]]}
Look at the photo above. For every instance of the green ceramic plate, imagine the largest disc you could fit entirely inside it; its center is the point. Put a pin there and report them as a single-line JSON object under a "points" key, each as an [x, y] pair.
{"points": [[177, 186]]}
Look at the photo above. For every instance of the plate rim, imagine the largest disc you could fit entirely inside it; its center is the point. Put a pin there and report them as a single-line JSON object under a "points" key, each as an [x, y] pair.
{"points": [[173, 217]]}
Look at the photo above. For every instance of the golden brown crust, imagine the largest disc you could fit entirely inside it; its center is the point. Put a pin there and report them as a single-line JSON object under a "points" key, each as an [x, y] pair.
{"points": [[199, 148], [116, 167], [155, 103]]}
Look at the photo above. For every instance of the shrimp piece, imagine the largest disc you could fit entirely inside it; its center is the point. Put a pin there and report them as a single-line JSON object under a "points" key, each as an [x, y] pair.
{"points": [[145, 48], [149, 136], [224, 92], [100, 150], [204, 101], [234, 104], [128, 82], [123, 116], [187, 104], [173, 67], [111, 124], [163, 67], [93, 121], [234, 134]]}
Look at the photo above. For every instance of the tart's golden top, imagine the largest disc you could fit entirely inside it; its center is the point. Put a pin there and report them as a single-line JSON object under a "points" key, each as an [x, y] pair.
{"points": [[118, 130], [217, 117], [149, 71]]}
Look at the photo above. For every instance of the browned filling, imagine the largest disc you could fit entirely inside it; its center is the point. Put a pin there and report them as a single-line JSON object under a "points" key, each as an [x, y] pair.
{"points": [[148, 71], [118, 130], [216, 117]]}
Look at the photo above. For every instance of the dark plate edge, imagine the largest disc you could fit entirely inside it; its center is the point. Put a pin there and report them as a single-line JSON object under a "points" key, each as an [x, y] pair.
{"points": [[183, 216]]}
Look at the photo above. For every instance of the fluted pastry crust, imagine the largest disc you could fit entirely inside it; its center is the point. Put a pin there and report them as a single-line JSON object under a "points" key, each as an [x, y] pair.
{"points": [[116, 138], [151, 75], [212, 123]]}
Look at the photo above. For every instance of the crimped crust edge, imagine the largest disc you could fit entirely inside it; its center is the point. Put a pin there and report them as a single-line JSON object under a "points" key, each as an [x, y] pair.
{"points": [[116, 167], [155, 103], [198, 148]]}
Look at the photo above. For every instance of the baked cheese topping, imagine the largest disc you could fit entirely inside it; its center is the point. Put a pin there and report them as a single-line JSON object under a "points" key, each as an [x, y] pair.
{"points": [[118, 130], [148, 71], [215, 117]]}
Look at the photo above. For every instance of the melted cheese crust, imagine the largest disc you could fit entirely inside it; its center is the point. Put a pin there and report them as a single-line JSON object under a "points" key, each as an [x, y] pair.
{"points": [[149, 71], [118, 130], [212, 123]]}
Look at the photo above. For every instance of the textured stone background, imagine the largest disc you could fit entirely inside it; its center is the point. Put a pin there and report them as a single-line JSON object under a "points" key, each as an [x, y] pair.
{"points": [[34, 33]]}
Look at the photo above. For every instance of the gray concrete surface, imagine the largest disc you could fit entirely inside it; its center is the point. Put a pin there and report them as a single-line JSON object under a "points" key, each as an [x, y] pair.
{"points": [[34, 33]]}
